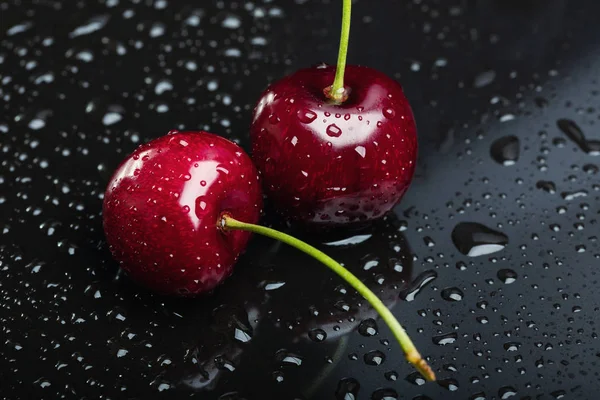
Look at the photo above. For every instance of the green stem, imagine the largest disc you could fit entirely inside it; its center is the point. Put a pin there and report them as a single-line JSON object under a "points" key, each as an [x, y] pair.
{"points": [[338, 91], [226, 222]]}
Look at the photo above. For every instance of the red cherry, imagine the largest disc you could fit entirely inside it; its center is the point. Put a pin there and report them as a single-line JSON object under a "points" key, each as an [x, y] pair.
{"points": [[324, 163], [162, 206]]}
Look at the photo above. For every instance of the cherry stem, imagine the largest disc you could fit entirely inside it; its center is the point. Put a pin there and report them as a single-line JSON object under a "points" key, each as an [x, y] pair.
{"points": [[226, 222], [338, 90]]}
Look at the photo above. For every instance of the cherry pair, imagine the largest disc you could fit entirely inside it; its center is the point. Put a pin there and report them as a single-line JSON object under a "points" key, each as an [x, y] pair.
{"points": [[179, 210]]}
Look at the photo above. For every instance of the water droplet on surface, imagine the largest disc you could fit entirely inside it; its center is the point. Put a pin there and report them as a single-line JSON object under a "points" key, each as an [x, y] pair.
{"points": [[317, 335], [389, 112], [568, 196], [361, 151], [506, 150], [574, 132], [478, 396], [452, 294], [506, 392], [474, 239], [368, 327], [546, 186], [416, 379], [449, 384], [411, 292], [334, 131], [374, 357], [484, 78], [512, 346], [306, 116], [384, 394], [507, 276], [447, 338], [347, 389]]}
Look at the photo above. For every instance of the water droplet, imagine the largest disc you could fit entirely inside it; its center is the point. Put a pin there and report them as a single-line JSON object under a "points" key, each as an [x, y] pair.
{"points": [[111, 118], [512, 346], [92, 25], [484, 78], [317, 335], [474, 239], [231, 22], [447, 338], [506, 150], [506, 391], [478, 396], [507, 276], [374, 357], [391, 376], [452, 294], [273, 285], [546, 186], [384, 394], [573, 195], [574, 132], [361, 151], [416, 379], [417, 285], [347, 389], [306, 116], [389, 112], [368, 327], [449, 384], [333, 130], [591, 169]]}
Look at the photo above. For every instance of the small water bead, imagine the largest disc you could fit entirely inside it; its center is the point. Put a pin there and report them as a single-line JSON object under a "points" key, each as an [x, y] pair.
{"points": [[391, 376], [347, 389], [478, 396], [442, 340], [474, 239], [306, 116], [449, 384], [512, 346], [374, 357], [506, 392], [452, 294], [416, 379], [590, 169], [506, 150], [389, 112], [546, 186], [507, 276], [368, 327], [385, 394], [317, 335]]}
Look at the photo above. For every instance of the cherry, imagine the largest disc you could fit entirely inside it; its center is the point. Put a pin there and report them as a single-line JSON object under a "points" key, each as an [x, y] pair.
{"points": [[328, 163], [332, 151], [162, 205]]}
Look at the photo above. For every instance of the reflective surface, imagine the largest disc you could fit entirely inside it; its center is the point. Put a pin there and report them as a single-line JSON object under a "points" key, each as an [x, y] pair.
{"points": [[84, 83]]}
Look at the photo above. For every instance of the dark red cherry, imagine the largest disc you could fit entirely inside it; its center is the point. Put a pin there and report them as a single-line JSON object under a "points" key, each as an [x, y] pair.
{"points": [[325, 163], [162, 205]]}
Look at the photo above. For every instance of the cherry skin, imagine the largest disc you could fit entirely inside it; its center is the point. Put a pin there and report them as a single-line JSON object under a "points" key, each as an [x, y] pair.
{"points": [[325, 164], [162, 205]]}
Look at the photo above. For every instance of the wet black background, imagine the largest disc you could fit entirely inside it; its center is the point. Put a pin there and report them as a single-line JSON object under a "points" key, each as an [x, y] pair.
{"points": [[84, 82]]}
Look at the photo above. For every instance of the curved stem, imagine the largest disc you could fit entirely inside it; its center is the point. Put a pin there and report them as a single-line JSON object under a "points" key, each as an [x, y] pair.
{"points": [[226, 222], [338, 90]]}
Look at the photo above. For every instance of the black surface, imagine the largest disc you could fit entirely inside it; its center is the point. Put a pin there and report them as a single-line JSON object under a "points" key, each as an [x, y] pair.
{"points": [[523, 319]]}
